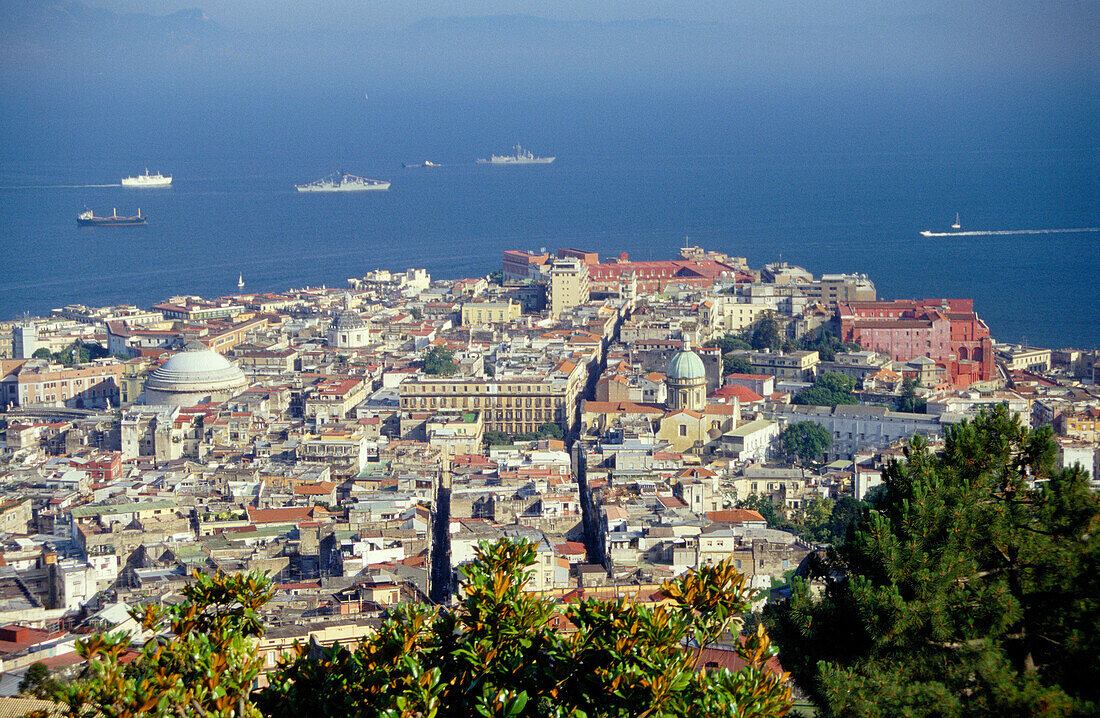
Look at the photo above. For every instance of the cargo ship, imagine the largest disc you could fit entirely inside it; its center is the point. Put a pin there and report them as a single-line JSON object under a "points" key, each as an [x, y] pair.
{"points": [[425, 163], [342, 182], [147, 180], [87, 218], [521, 157]]}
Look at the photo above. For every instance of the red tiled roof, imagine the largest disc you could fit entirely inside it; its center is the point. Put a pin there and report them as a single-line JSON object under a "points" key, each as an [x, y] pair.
{"points": [[285, 515], [734, 516], [570, 548], [743, 394]]}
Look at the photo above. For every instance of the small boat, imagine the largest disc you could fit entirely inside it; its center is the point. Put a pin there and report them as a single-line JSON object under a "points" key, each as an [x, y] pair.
{"points": [[425, 163], [87, 218], [957, 224], [240, 280]]}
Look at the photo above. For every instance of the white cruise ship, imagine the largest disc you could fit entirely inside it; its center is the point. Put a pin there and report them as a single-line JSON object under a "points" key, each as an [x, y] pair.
{"points": [[147, 180], [342, 182]]}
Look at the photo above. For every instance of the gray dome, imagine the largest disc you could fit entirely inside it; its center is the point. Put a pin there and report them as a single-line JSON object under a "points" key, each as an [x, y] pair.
{"points": [[196, 369], [348, 320], [686, 364]]}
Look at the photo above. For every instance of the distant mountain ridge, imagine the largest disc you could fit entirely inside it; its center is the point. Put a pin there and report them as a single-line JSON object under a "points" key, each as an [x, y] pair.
{"points": [[45, 20]]}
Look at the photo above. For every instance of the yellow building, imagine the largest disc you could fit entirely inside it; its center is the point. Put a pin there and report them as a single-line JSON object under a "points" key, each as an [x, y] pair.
{"points": [[512, 403], [132, 382], [479, 314], [568, 285]]}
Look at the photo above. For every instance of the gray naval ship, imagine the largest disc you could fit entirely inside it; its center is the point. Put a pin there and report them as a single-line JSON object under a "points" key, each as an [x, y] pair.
{"points": [[521, 157], [342, 182]]}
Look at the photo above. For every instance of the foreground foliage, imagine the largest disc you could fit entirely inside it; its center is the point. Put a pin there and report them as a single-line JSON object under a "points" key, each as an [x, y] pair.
{"points": [[972, 589], [201, 661], [496, 654]]}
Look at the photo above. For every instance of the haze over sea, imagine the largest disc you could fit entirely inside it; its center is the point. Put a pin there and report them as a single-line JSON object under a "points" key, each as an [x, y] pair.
{"points": [[834, 180]]}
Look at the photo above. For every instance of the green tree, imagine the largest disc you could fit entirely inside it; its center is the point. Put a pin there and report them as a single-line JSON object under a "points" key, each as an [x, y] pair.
{"points": [[440, 361], [733, 364], [813, 522], [826, 344], [38, 683], [972, 589], [201, 660], [763, 506], [805, 441], [495, 654], [496, 438], [729, 343], [909, 400], [765, 334], [847, 510], [551, 430], [42, 353], [829, 389]]}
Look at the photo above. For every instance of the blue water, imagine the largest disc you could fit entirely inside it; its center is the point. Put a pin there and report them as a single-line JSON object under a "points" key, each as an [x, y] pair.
{"points": [[822, 184]]}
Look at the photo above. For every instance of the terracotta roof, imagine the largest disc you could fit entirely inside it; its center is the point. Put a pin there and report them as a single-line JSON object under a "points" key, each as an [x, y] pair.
{"points": [[734, 516], [570, 548], [696, 472], [743, 394], [292, 514], [322, 488], [717, 658]]}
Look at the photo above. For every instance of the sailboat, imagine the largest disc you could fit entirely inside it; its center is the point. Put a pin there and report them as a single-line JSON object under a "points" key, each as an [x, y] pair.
{"points": [[240, 280], [957, 225]]}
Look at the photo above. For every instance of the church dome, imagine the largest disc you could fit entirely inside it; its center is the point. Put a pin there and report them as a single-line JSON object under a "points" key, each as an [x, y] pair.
{"points": [[348, 320], [192, 376], [685, 365]]}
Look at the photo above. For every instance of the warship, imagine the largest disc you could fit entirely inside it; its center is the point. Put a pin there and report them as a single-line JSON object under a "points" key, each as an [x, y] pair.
{"points": [[342, 182], [521, 157]]}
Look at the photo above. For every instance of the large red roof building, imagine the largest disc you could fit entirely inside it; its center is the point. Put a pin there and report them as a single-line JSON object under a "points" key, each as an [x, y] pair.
{"points": [[945, 330]]}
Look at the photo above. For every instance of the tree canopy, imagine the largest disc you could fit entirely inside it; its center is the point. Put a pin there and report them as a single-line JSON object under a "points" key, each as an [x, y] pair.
{"points": [[730, 342], [766, 334], [440, 361], [37, 681], [733, 364], [549, 430], [909, 400], [805, 441], [75, 353], [201, 662], [826, 344], [499, 652], [829, 389], [496, 654], [972, 588]]}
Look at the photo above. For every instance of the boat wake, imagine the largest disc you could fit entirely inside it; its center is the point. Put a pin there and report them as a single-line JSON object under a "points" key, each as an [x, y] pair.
{"points": [[59, 186], [1006, 232]]}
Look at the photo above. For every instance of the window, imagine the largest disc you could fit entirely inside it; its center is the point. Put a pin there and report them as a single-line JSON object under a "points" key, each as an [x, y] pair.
{"points": [[683, 430]]}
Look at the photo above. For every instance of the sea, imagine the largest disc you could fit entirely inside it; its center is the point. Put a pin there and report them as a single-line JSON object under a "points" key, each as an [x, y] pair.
{"points": [[833, 184]]}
